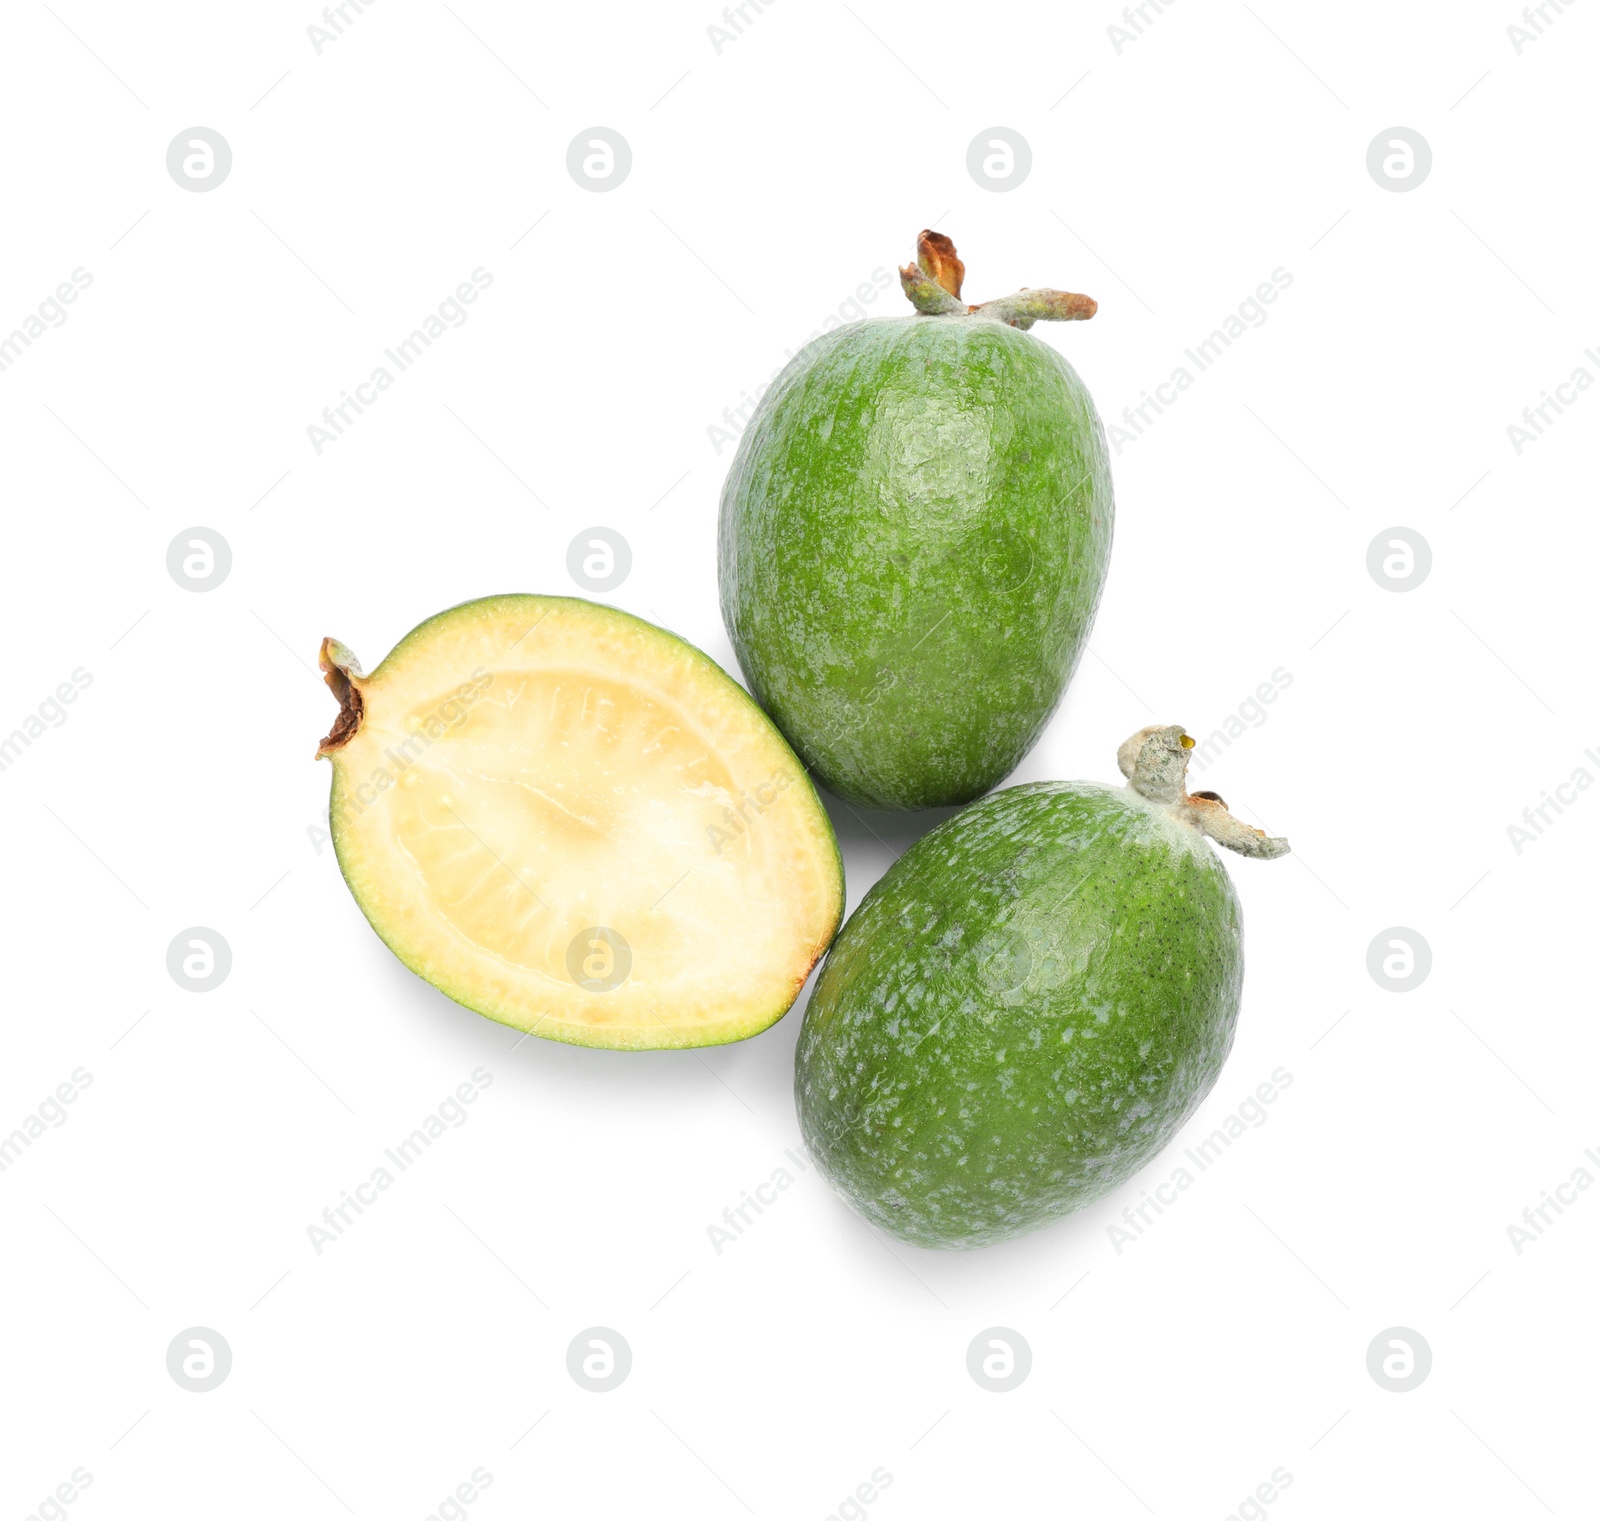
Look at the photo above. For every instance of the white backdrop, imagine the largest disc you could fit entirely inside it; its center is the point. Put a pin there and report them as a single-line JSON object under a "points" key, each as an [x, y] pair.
{"points": [[1211, 1360]]}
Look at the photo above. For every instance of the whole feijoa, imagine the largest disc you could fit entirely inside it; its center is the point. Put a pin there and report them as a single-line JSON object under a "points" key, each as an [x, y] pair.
{"points": [[1030, 1003], [913, 538]]}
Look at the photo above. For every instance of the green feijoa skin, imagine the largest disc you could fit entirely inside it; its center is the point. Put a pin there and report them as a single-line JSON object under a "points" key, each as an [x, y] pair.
{"points": [[913, 538], [1030, 1003]]}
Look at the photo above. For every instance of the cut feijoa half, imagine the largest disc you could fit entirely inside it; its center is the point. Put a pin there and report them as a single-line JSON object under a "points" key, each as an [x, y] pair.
{"points": [[577, 824]]}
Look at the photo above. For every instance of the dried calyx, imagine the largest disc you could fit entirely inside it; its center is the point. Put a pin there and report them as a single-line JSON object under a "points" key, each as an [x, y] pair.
{"points": [[340, 669], [1156, 762], [933, 286]]}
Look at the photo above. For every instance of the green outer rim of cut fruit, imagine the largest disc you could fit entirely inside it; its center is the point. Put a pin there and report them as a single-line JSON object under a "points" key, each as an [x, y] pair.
{"points": [[568, 1034]]}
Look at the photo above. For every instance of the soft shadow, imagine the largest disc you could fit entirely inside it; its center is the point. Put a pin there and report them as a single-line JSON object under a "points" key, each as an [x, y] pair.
{"points": [[753, 1077], [871, 840]]}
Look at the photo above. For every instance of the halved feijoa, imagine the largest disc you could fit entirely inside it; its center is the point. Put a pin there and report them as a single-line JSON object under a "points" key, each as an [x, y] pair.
{"points": [[577, 824]]}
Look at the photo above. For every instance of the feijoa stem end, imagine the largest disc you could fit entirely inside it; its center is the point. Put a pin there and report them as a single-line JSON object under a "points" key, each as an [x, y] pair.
{"points": [[933, 286], [1156, 763], [340, 669]]}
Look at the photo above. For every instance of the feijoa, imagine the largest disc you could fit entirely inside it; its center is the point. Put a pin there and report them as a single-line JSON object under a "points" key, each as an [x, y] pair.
{"points": [[577, 824], [913, 537], [1025, 1009]]}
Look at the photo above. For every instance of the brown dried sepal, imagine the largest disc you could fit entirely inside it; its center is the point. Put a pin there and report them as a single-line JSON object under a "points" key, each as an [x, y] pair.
{"points": [[937, 259], [338, 667]]}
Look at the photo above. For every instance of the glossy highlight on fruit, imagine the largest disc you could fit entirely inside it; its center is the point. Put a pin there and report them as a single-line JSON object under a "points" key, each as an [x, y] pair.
{"points": [[1030, 1003], [913, 538], [577, 824]]}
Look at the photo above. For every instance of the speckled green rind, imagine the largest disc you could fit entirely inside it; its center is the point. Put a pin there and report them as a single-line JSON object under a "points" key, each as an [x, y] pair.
{"points": [[1020, 1014], [912, 543]]}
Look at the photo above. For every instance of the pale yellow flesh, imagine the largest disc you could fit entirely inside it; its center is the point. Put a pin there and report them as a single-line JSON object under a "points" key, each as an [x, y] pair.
{"points": [[530, 770]]}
